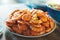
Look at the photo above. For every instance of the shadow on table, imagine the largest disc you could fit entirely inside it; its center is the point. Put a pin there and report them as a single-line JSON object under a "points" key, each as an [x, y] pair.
{"points": [[1, 36]]}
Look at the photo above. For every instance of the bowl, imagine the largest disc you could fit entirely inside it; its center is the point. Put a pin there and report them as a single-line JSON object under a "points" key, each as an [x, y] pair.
{"points": [[55, 14], [33, 36]]}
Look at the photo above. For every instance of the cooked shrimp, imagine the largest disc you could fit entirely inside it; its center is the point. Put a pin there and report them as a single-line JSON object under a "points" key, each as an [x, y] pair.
{"points": [[46, 24], [48, 29], [20, 22], [10, 22], [27, 33], [26, 17], [30, 23], [51, 23], [42, 32], [34, 19], [33, 11], [42, 15], [16, 29], [17, 16], [38, 25], [40, 21], [22, 27], [44, 19], [34, 22], [38, 29]]}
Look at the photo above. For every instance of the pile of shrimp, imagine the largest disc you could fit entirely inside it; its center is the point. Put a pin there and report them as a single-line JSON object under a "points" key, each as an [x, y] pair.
{"points": [[29, 22]]}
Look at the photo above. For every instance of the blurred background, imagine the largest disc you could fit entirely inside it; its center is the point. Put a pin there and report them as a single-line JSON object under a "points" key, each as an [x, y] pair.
{"points": [[27, 1], [22, 1]]}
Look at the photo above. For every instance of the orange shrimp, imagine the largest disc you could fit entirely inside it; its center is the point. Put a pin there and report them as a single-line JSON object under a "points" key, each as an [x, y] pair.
{"points": [[46, 24], [44, 19], [33, 11], [20, 22], [22, 27], [48, 29], [10, 22], [16, 16], [42, 32], [34, 20], [51, 23], [30, 23], [26, 17], [27, 33], [38, 25], [16, 29], [38, 29], [42, 15]]}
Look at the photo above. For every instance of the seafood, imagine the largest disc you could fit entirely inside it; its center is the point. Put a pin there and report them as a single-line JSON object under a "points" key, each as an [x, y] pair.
{"points": [[26, 17], [30, 22]]}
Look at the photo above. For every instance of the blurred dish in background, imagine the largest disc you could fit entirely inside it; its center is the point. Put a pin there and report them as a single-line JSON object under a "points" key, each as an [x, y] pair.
{"points": [[53, 8], [36, 4]]}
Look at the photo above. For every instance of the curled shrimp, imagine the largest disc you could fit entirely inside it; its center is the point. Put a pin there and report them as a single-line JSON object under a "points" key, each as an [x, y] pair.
{"points": [[42, 15], [44, 19], [48, 29], [16, 29], [26, 17], [51, 23], [37, 26], [22, 27], [38, 29], [10, 22], [27, 33], [35, 19], [20, 22], [46, 24], [17, 16]]}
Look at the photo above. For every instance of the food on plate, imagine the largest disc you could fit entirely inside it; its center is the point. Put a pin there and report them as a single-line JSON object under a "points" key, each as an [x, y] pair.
{"points": [[30, 22], [55, 6]]}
